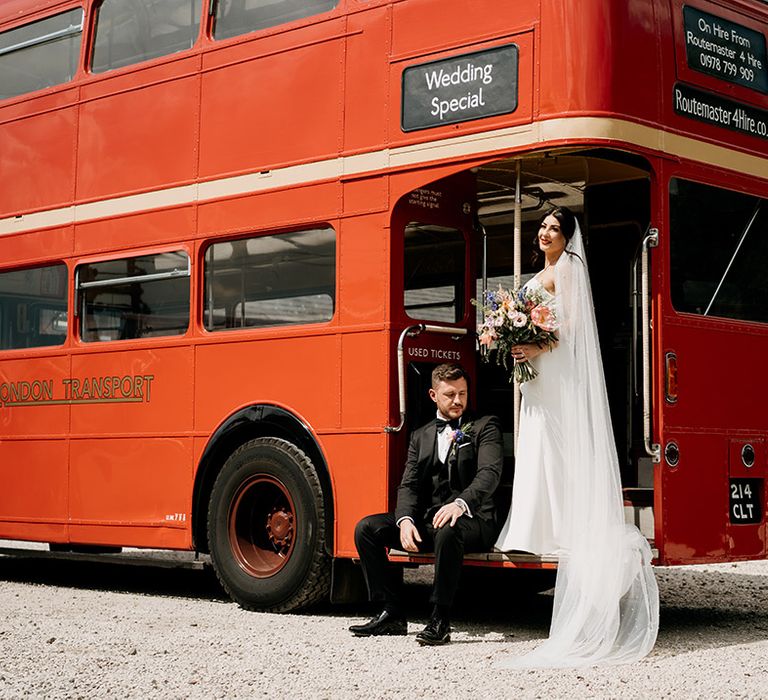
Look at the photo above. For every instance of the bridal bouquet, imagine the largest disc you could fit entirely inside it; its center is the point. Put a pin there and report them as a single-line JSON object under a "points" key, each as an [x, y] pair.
{"points": [[514, 318]]}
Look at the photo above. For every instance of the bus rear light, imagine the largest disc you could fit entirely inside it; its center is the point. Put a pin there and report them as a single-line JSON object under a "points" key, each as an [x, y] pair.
{"points": [[748, 456], [672, 453], [670, 382]]}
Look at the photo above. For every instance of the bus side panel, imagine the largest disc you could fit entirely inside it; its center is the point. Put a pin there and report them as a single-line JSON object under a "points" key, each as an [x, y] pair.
{"points": [[281, 208], [705, 434], [364, 381], [707, 383], [229, 376], [146, 228], [746, 538], [358, 468], [279, 107], [363, 267], [131, 491], [454, 23], [131, 452], [33, 448], [37, 166], [139, 138], [366, 79], [30, 247], [695, 500], [33, 497]]}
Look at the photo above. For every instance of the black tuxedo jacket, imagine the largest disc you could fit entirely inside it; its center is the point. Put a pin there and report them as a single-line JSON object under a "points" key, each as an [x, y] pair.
{"points": [[475, 466]]}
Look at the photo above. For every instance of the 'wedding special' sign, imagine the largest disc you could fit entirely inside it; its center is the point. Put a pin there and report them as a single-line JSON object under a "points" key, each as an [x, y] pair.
{"points": [[461, 88], [726, 50]]}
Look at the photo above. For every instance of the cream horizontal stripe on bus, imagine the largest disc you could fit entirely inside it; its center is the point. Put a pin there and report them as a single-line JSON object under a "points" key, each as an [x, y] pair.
{"points": [[589, 128]]}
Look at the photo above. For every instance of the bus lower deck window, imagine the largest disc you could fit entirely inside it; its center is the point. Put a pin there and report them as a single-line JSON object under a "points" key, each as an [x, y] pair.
{"points": [[130, 298], [272, 280], [719, 249], [33, 307]]}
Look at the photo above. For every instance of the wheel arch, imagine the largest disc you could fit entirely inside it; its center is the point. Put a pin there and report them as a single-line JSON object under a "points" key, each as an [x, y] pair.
{"points": [[258, 420]]}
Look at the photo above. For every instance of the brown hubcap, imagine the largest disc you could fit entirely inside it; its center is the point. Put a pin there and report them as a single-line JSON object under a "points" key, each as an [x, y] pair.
{"points": [[261, 523]]}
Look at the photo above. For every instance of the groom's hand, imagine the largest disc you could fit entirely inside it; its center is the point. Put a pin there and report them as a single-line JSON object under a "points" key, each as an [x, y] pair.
{"points": [[409, 536], [449, 513]]}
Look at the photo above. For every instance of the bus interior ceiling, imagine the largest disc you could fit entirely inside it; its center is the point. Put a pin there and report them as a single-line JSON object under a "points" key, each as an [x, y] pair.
{"points": [[610, 193]]}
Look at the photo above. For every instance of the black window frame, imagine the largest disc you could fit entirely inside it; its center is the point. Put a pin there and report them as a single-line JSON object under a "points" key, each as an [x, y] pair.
{"points": [[98, 70], [63, 297], [214, 20], [46, 39], [82, 287], [208, 304], [732, 256], [459, 304]]}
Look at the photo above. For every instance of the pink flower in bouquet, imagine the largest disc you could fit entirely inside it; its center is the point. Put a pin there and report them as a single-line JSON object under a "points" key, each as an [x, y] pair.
{"points": [[487, 337], [543, 318], [518, 318]]}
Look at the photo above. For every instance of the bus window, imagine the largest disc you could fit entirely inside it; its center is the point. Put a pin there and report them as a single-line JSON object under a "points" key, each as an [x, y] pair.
{"points": [[33, 307], [235, 17], [434, 273], [138, 297], [131, 32], [719, 250], [40, 54], [277, 280]]}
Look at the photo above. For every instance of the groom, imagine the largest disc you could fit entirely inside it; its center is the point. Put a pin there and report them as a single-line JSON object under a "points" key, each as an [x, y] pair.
{"points": [[444, 504]]}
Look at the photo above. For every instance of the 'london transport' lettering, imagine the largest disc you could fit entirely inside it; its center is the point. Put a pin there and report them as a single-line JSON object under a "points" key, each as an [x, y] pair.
{"points": [[129, 388]]}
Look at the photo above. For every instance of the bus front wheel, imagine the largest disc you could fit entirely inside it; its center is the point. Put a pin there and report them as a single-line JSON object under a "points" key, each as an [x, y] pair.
{"points": [[266, 527]]}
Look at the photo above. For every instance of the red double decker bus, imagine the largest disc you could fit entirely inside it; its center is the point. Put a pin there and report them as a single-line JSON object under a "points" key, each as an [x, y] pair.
{"points": [[236, 236]]}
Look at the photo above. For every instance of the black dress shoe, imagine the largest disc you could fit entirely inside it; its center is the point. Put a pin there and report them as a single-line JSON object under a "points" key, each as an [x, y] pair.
{"points": [[383, 624], [437, 631]]}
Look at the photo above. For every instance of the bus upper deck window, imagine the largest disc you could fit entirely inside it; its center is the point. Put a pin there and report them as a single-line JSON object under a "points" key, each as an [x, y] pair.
{"points": [[40, 54], [137, 297], [33, 307], [131, 32], [236, 17], [434, 273]]}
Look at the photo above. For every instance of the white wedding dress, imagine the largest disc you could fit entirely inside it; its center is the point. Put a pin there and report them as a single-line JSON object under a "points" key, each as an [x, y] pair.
{"points": [[535, 519], [567, 496]]}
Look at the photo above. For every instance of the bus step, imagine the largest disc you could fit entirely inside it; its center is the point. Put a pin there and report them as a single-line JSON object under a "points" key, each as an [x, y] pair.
{"points": [[507, 560]]}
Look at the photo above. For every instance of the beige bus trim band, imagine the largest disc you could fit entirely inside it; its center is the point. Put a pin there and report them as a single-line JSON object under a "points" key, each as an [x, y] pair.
{"points": [[582, 128]]}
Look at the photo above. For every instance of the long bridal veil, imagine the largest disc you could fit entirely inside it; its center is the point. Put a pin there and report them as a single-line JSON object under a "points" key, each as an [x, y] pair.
{"points": [[606, 604]]}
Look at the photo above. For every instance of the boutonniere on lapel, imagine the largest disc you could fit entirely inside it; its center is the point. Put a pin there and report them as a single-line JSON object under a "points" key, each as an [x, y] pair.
{"points": [[461, 436]]}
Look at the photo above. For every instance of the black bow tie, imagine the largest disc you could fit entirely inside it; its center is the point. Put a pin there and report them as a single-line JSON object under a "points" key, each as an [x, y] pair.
{"points": [[443, 424]]}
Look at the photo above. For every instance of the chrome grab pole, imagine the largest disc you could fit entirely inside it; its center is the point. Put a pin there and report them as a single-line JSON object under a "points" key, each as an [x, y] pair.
{"points": [[651, 240], [517, 275], [413, 331]]}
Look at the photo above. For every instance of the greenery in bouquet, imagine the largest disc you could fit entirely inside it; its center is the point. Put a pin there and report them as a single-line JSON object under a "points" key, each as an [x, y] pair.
{"points": [[516, 317]]}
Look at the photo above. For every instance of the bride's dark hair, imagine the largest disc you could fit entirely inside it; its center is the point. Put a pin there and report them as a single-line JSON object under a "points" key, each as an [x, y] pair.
{"points": [[567, 220]]}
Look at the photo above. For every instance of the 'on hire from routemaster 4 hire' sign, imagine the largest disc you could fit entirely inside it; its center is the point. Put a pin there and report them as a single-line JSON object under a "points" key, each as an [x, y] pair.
{"points": [[461, 88]]}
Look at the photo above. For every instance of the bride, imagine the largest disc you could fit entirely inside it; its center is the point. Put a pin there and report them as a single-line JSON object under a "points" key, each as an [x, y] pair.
{"points": [[566, 496]]}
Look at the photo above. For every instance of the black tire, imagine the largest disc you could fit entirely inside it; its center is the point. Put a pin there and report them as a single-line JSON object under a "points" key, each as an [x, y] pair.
{"points": [[266, 528]]}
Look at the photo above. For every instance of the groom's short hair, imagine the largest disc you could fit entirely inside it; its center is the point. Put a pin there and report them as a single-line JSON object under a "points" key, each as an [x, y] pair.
{"points": [[448, 372]]}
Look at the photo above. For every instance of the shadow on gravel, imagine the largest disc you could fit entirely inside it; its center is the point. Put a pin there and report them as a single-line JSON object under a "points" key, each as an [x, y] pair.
{"points": [[710, 609], [98, 576], [699, 609]]}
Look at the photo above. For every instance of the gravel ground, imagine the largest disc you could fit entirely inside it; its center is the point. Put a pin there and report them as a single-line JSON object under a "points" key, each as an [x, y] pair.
{"points": [[85, 630]]}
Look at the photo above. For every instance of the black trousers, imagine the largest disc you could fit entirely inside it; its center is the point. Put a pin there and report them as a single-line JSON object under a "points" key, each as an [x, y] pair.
{"points": [[375, 534]]}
